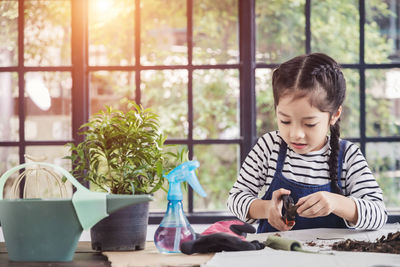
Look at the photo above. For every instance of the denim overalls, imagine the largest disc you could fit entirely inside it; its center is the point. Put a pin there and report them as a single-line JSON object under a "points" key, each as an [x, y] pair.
{"points": [[299, 190]]}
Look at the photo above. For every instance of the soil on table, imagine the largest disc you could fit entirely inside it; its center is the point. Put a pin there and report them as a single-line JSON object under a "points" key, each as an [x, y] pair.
{"points": [[389, 244]]}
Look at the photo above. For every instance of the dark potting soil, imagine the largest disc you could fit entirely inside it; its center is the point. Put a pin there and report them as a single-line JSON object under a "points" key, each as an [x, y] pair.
{"points": [[389, 244]]}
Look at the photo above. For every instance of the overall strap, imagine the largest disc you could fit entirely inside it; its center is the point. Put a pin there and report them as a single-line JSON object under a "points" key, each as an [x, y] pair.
{"points": [[340, 161], [281, 156]]}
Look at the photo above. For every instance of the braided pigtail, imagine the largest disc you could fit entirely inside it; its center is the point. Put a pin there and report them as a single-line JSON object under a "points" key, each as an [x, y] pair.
{"points": [[333, 159]]}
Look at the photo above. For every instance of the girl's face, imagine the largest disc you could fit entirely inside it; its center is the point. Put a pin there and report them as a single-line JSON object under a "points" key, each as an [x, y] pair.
{"points": [[302, 126]]}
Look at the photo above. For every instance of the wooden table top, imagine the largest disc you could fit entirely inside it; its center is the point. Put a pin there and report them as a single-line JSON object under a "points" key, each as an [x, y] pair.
{"points": [[84, 257], [151, 257]]}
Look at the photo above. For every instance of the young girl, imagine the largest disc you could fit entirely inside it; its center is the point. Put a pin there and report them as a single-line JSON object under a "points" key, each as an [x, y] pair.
{"points": [[328, 178]]}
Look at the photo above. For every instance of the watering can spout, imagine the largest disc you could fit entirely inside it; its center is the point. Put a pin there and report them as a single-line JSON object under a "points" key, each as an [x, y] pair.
{"points": [[116, 202]]}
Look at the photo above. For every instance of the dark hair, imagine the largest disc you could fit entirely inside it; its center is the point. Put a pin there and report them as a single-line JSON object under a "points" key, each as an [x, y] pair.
{"points": [[319, 77]]}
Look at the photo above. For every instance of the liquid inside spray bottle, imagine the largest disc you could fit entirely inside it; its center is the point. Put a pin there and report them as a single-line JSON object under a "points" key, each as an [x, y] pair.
{"points": [[174, 227]]}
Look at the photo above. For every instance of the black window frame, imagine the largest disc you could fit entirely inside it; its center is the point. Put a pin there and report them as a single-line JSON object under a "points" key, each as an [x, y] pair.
{"points": [[247, 65]]}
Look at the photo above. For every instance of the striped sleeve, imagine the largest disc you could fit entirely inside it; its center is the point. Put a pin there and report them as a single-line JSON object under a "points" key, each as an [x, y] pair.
{"points": [[362, 187], [251, 178]]}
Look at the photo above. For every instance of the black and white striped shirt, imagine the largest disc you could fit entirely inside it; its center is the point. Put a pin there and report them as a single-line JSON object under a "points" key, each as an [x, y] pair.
{"points": [[357, 181]]}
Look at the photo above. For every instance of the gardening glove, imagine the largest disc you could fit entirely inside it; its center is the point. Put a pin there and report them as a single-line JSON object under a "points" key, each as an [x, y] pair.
{"points": [[227, 235], [233, 227]]}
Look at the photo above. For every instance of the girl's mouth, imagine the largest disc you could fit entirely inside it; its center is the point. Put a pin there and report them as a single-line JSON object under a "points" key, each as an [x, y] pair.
{"points": [[298, 146]]}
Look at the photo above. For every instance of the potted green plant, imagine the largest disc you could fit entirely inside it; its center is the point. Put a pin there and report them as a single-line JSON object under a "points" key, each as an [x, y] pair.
{"points": [[123, 153]]}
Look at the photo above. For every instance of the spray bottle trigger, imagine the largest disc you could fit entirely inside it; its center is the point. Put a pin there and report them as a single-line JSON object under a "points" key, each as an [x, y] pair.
{"points": [[195, 184]]}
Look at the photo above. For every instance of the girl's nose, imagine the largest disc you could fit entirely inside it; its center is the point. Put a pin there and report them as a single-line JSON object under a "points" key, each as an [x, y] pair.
{"points": [[296, 132]]}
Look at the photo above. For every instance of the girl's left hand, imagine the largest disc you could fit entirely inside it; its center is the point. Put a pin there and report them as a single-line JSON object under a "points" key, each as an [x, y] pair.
{"points": [[318, 204]]}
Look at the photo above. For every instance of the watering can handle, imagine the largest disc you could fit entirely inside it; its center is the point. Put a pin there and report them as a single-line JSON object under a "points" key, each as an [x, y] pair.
{"points": [[70, 178], [90, 207]]}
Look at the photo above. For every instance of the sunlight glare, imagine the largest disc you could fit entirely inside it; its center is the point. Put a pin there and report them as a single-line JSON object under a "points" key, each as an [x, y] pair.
{"points": [[103, 5], [39, 93]]}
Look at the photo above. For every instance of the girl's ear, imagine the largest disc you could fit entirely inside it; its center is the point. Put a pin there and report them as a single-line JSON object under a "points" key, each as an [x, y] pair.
{"points": [[336, 116]]}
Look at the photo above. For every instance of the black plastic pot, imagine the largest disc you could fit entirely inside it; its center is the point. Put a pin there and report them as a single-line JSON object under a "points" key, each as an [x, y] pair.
{"points": [[125, 229]]}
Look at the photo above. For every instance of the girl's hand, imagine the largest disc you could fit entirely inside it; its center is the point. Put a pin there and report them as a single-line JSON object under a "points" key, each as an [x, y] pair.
{"points": [[274, 214], [318, 204]]}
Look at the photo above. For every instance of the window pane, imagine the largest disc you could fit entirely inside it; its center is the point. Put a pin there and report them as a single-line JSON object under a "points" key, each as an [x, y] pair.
{"points": [[47, 33], [8, 33], [219, 165], [111, 32], [384, 161], [215, 32], [54, 155], [109, 87], [382, 31], [279, 30], [216, 108], [8, 158], [350, 119], [266, 119], [333, 19], [163, 32], [165, 93], [383, 102], [48, 106], [9, 121]]}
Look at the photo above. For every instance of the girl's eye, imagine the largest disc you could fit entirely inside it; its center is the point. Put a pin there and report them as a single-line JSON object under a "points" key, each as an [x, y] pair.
{"points": [[311, 125], [285, 122]]}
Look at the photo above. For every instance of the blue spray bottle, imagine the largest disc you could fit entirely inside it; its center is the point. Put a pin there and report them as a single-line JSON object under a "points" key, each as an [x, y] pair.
{"points": [[174, 227]]}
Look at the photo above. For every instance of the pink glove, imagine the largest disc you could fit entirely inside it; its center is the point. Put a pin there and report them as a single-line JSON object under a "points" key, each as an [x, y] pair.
{"points": [[236, 228]]}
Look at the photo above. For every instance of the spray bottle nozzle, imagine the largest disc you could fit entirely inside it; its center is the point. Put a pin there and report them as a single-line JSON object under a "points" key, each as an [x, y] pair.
{"points": [[183, 172]]}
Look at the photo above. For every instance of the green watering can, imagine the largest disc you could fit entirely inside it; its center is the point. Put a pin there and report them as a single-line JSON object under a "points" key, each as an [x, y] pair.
{"points": [[49, 229]]}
